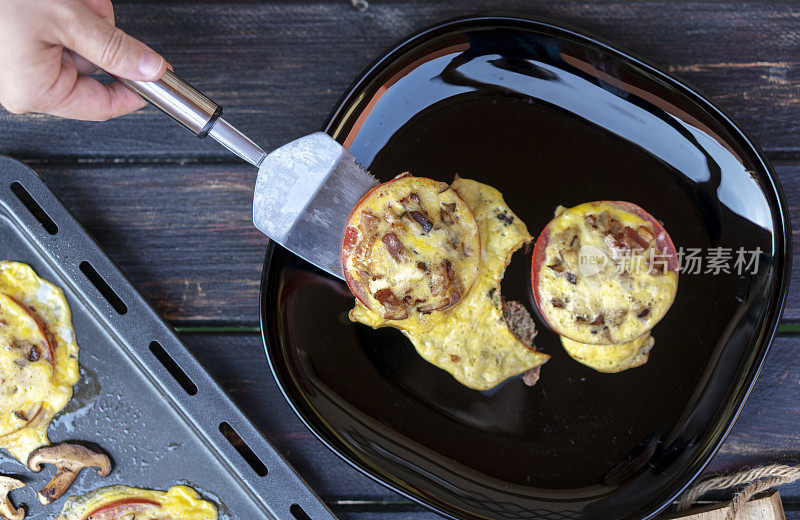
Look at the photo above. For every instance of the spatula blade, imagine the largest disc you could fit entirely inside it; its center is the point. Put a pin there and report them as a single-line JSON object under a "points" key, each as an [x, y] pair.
{"points": [[303, 197]]}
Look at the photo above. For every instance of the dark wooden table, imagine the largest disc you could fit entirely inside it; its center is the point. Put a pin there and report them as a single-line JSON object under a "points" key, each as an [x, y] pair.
{"points": [[174, 212]]}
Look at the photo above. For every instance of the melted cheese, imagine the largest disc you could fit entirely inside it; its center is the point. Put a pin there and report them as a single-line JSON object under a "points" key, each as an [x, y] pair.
{"points": [[179, 503], [32, 389], [599, 282], [472, 340], [611, 358]]}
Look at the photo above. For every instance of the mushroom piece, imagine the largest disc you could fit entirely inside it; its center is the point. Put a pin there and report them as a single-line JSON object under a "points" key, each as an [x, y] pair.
{"points": [[7, 509], [69, 459]]}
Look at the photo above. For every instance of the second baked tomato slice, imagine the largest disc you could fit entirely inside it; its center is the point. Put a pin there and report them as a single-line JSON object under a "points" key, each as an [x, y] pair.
{"points": [[604, 272]]}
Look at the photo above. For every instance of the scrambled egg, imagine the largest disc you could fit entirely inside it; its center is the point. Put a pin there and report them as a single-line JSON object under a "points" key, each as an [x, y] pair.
{"points": [[123, 502], [611, 358], [38, 358], [604, 272], [472, 340]]}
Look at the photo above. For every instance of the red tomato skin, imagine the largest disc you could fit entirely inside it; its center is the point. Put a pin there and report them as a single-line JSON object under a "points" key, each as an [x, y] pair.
{"points": [[118, 507]]}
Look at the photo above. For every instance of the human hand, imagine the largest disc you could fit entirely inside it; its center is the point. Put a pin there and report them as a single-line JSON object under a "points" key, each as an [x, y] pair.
{"points": [[49, 48]]}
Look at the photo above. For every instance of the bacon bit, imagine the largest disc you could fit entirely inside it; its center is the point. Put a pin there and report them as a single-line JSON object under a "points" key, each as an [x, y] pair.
{"points": [[422, 266], [571, 278], [598, 320], [454, 358], [615, 228], [368, 222], [394, 307], [558, 304], [422, 220], [580, 319], [19, 414], [557, 268], [643, 314], [631, 237], [384, 296], [591, 219], [394, 246]]}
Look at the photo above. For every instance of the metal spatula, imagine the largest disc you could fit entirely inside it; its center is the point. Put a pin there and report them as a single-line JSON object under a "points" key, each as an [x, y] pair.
{"points": [[305, 190]]}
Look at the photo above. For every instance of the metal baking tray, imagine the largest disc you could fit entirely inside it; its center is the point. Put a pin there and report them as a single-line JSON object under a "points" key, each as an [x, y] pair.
{"points": [[142, 396]]}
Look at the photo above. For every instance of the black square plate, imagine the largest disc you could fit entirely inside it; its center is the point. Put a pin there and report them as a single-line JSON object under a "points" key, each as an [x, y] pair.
{"points": [[548, 116]]}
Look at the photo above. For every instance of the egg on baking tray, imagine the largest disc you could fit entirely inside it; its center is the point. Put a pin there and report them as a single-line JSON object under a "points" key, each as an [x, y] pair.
{"points": [[427, 258], [124, 503], [603, 275], [38, 358]]}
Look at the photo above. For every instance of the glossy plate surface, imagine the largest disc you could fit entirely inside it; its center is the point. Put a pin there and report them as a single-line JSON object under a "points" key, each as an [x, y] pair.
{"points": [[548, 116]]}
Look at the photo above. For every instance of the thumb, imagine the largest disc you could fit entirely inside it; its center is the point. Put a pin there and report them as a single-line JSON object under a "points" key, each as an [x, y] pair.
{"points": [[108, 47]]}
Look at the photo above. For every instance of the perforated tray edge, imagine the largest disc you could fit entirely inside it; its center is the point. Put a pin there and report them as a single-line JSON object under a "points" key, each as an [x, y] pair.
{"points": [[281, 493]]}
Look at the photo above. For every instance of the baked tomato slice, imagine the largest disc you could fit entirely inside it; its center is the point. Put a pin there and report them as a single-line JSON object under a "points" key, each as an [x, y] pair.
{"points": [[410, 245], [118, 509], [604, 272]]}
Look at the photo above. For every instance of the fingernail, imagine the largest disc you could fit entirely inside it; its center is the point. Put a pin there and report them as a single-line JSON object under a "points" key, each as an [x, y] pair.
{"points": [[150, 64]]}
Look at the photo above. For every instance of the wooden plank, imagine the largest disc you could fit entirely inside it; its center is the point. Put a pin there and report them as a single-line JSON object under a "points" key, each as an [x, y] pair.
{"points": [[765, 432], [184, 234], [279, 67]]}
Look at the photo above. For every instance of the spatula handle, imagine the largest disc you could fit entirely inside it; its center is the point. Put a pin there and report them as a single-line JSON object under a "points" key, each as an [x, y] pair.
{"points": [[196, 112], [179, 100]]}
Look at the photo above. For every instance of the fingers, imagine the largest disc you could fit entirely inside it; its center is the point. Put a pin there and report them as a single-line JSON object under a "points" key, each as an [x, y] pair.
{"points": [[105, 10], [87, 99], [86, 33], [90, 100]]}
